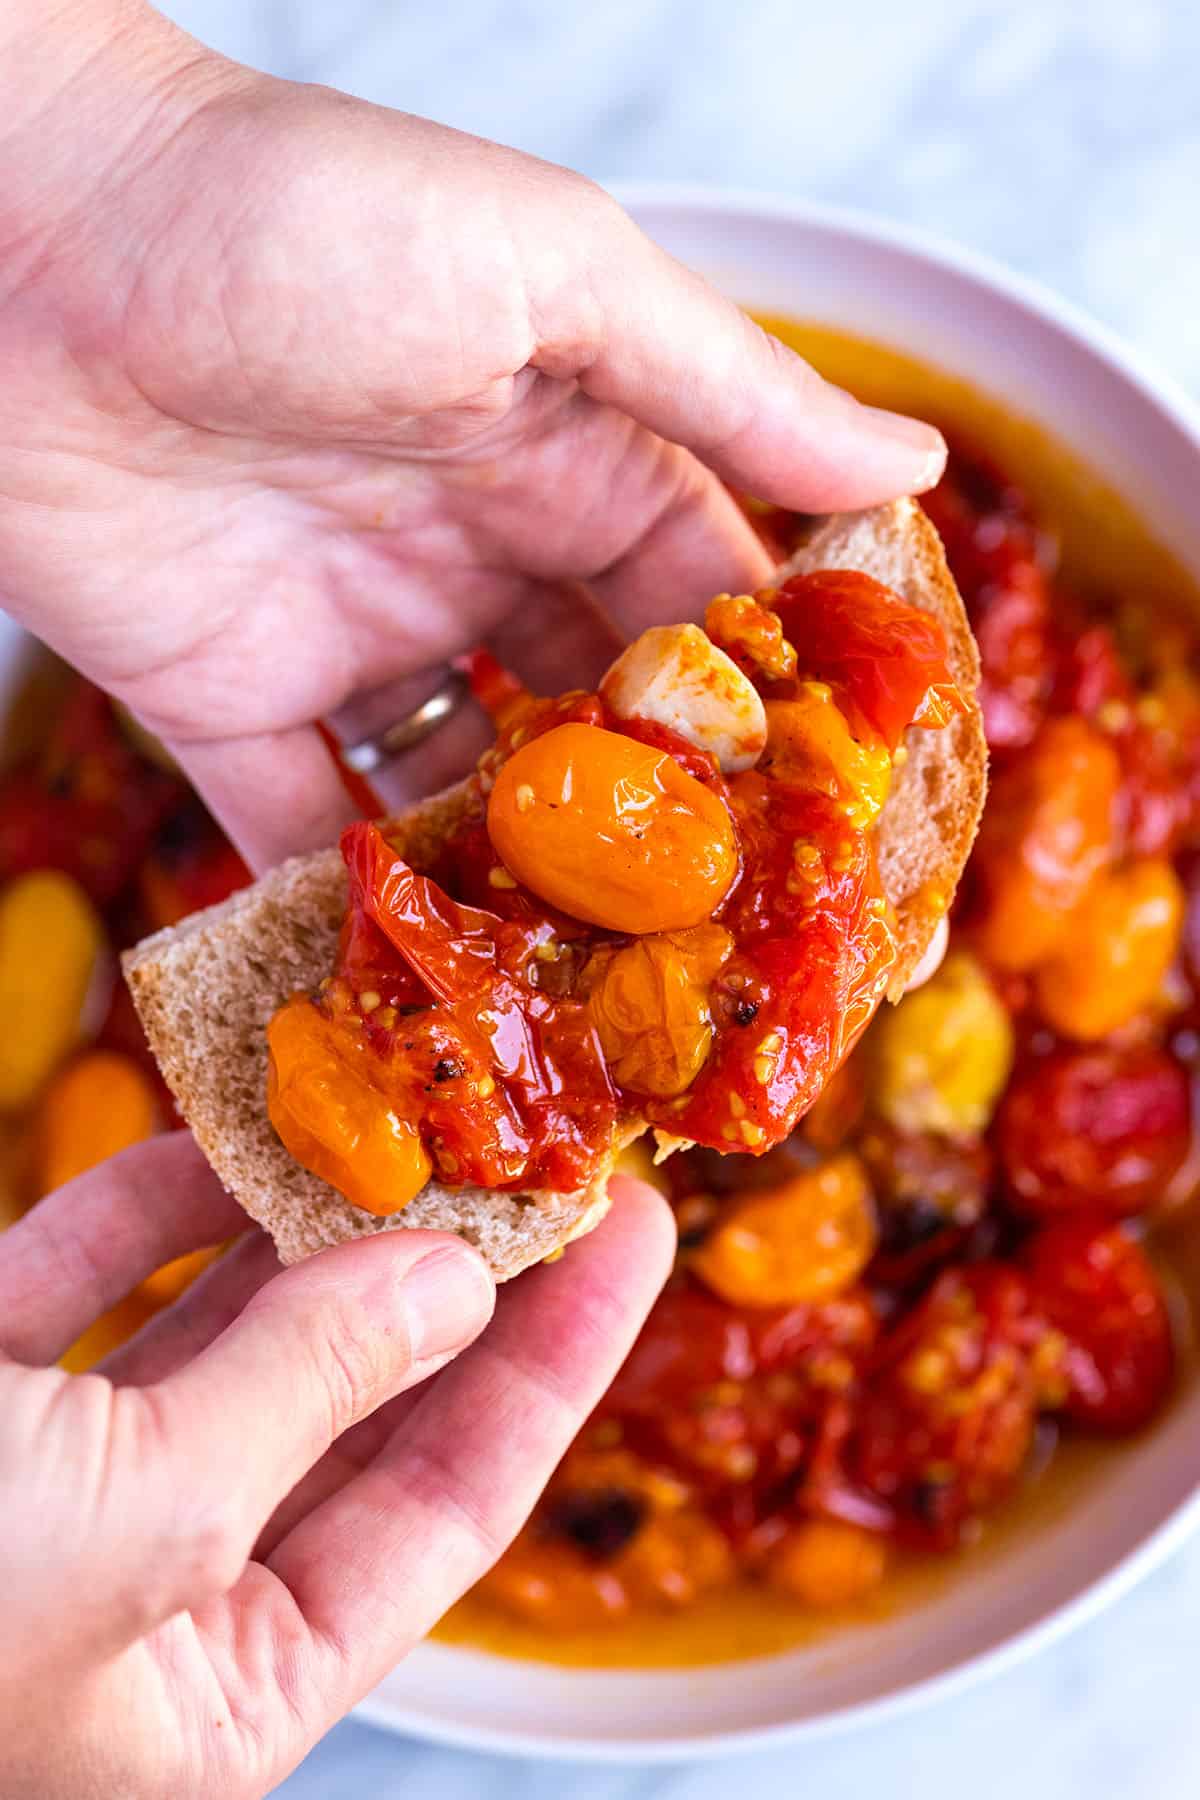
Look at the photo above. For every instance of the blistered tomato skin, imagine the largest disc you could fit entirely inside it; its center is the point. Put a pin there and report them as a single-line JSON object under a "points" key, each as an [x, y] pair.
{"points": [[608, 831], [649, 1002], [333, 1119], [715, 1393], [1093, 1128], [816, 941], [506, 1076], [886, 662], [1097, 1287], [947, 1418]]}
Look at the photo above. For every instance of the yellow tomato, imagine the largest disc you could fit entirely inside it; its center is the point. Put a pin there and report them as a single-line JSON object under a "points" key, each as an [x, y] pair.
{"points": [[51, 943], [1113, 962], [649, 1005], [805, 1240], [809, 741], [941, 1058], [612, 831]]}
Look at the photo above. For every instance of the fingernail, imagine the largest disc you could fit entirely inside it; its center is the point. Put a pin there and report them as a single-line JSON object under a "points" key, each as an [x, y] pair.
{"points": [[448, 1297], [916, 434], [935, 468]]}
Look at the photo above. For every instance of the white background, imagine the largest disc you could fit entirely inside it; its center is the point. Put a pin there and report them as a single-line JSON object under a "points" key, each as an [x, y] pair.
{"points": [[1062, 136]]}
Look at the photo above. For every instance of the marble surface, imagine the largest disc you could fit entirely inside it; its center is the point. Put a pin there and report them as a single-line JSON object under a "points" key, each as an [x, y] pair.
{"points": [[1062, 136]]}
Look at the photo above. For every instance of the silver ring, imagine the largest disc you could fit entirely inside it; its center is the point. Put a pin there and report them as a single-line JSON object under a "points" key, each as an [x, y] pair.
{"points": [[365, 757]]}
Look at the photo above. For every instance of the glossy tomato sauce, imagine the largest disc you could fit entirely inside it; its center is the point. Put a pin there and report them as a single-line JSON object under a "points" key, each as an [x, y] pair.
{"points": [[614, 928], [766, 1466]]}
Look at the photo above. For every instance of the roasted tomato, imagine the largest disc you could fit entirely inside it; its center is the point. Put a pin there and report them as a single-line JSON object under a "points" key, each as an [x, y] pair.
{"points": [[593, 1556], [1112, 965], [1048, 832], [732, 1396], [885, 662], [947, 1416], [816, 940], [191, 865], [667, 852], [1097, 1287], [88, 804], [998, 558], [1160, 757], [1098, 1127], [806, 1240], [930, 1193]]}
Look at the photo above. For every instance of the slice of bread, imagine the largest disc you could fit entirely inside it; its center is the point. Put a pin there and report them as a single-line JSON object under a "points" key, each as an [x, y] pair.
{"points": [[933, 809], [206, 989]]}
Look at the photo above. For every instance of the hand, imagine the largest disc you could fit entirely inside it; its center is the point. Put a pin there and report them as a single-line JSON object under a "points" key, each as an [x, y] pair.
{"points": [[303, 396], [218, 1544]]}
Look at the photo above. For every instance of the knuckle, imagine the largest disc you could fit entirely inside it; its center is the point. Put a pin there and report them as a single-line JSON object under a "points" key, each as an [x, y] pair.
{"points": [[211, 1552]]}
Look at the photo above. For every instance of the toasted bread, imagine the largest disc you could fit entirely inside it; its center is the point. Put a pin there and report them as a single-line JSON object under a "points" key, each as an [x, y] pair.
{"points": [[206, 989]]}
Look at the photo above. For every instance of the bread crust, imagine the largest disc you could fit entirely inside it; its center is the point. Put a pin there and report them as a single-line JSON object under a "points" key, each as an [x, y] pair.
{"points": [[936, 799], [206, 989]]}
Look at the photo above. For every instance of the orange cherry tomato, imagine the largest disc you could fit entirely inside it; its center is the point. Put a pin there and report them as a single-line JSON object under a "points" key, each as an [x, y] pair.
{"points": [[1047, 834], [804, 1241], [611, 831], [332, 1119], [826, 1563], [1122, 941], [562, 1576]]}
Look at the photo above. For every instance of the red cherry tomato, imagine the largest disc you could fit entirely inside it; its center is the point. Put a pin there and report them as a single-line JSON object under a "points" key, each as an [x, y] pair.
{"points": [[191, 865], [885, 660], [996, 554], [947, 1416], [692, 1340], [1093, 1128], [733, 1399], [1097, 1287], [1160, 788], [1188, 870], [1090, 672], [88, 805]]}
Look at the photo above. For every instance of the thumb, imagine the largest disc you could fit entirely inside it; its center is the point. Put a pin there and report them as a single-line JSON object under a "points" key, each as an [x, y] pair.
{"points": [[176, 1481]]}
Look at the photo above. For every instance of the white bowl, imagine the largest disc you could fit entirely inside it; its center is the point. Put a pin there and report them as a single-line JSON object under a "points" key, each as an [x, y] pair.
{"points": [[1055, 366]]}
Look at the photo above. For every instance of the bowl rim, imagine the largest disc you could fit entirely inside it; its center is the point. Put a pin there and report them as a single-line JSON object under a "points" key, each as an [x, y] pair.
{"points": [[1168, 397]]}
